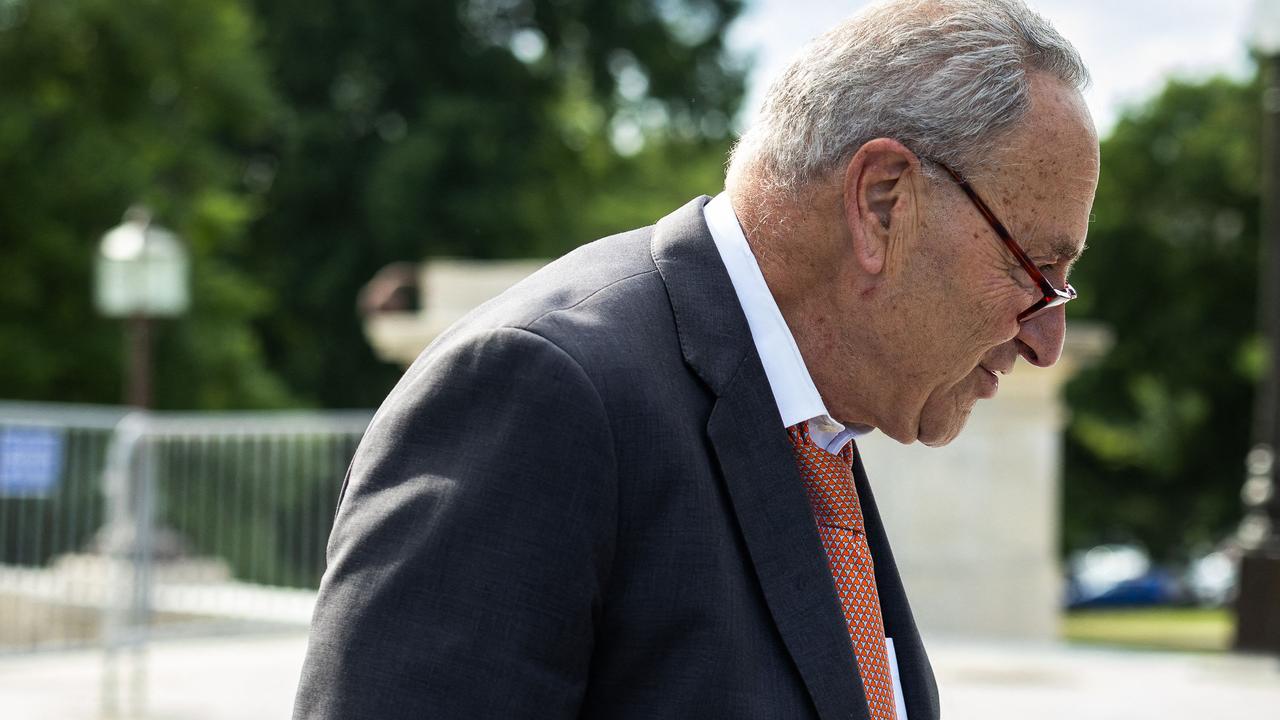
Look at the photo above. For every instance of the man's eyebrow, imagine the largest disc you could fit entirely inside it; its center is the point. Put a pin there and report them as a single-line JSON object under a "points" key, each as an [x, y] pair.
{"points": [[1065, 250]]}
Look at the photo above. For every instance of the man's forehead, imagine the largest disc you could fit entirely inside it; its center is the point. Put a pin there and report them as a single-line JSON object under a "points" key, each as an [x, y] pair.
{"points": [[1054, 155], [1050, 209]]}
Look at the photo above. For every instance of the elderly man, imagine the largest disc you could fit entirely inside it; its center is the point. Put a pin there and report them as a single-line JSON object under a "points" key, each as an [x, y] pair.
{"points": [[628, 487]]}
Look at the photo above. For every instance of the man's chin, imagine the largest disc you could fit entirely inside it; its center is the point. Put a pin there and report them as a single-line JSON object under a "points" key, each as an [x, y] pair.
{"points": [[942, 433], [937, 442], [921, 435]]}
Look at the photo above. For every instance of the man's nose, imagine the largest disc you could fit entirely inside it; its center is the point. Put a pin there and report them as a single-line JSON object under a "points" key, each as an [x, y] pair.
{"points": [[1040, 338]]}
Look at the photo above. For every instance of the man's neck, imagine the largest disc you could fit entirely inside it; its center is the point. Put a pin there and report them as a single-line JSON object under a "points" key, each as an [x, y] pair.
{"points": [[804, 257]]}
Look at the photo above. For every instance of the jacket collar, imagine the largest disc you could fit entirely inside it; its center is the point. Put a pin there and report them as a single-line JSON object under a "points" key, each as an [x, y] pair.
{"points": [[713, 332]]}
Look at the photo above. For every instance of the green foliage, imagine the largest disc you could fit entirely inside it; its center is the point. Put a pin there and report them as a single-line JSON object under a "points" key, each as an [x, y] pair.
{"points": [[1155, 448], [477, 128], [300, 146], [104, 104]]}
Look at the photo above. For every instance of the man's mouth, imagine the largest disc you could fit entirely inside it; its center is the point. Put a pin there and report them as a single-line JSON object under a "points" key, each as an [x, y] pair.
{"points": [[990, 382]]}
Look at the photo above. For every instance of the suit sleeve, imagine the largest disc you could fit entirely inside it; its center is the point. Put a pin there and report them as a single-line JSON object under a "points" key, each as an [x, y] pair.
{"points": [[471, 543]]}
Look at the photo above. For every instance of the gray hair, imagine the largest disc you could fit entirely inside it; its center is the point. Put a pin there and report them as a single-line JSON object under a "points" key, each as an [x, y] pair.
{"points": [[947, 78]]}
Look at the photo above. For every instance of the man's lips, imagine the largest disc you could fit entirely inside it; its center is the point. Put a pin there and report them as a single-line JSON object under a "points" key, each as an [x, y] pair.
{"points": [[994, 370], [990, 382]]}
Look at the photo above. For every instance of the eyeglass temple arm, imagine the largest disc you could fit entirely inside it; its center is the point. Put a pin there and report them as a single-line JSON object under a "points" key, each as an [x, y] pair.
{"points": [[1005, 236]]}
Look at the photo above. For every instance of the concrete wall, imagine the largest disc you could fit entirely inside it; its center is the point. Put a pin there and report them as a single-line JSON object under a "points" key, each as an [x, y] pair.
{"points": [[448, 289]]}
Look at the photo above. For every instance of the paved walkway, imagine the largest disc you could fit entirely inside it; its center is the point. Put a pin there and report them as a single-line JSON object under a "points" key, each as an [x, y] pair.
{"points": [[252, 678], [999, 682]]}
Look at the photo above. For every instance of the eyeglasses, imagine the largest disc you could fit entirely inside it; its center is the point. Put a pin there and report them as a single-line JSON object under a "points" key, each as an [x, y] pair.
{"points": [[1051, 296]]}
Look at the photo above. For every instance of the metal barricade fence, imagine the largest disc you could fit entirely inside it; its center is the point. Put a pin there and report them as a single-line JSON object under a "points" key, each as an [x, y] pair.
{"points": [[119, 527], [52, 460]]}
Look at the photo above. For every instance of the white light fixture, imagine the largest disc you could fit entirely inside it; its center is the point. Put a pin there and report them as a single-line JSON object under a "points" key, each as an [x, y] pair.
{"points": [[141, 270]]}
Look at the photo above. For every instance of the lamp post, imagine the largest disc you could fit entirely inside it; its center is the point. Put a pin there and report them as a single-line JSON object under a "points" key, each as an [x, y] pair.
{"points": [[141, 273], [1258, 601]]}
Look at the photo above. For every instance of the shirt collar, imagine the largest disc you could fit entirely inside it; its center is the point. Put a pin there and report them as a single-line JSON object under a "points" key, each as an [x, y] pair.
{"points": [[793, 389]]}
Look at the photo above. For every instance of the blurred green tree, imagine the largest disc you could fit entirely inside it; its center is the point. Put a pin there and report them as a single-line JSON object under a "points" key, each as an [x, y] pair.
{"points": [[1160, 428], [104, 104], [478, 128]]}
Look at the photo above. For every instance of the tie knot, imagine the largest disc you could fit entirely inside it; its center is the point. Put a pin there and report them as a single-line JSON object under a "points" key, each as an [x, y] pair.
{"points": [[828, 480]]}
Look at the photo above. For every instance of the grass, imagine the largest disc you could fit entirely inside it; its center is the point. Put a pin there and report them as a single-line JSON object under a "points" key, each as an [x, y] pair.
{"points": [[1185, 629]]}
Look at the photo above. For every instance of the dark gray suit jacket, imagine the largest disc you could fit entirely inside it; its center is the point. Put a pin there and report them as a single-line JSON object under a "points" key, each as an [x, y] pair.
{"points": [[580, 502]]}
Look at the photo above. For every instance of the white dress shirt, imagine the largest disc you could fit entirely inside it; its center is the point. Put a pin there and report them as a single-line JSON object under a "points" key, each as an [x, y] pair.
{"points": [[793, 389]]}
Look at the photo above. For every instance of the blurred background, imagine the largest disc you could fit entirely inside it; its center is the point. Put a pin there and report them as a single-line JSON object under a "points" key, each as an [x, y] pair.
{"points": [[247, 216]]}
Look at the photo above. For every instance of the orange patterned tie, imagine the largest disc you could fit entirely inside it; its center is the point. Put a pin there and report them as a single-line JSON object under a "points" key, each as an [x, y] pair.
{"points": [[828, 479]]}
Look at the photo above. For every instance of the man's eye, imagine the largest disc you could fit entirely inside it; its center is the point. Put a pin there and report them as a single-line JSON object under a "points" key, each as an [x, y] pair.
{"points": [[1021, 277]]}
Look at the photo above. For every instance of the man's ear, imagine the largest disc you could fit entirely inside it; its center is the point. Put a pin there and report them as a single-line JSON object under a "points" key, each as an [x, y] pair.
{"points": [[877, 195]]}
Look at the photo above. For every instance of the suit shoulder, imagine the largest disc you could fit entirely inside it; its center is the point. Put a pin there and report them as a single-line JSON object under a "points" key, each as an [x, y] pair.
{"points": [[582, 275]]}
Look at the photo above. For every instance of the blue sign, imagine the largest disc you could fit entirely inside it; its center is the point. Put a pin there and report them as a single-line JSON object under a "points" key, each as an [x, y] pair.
{"points": [[30, 461]]}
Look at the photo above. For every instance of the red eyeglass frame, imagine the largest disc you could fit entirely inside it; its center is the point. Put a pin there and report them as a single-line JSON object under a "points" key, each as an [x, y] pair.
{"points": [[1051, 296]]}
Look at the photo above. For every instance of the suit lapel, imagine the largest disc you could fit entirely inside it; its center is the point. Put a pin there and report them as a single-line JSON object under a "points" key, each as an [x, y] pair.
{"points": [[782, 539], [759, 467]]}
